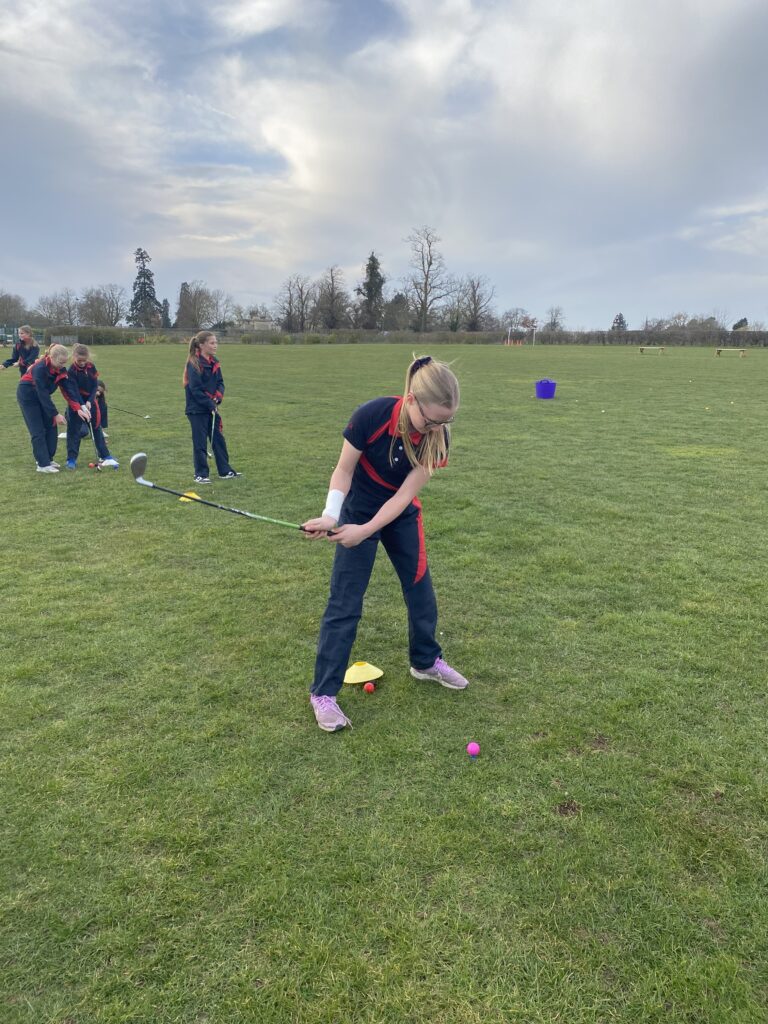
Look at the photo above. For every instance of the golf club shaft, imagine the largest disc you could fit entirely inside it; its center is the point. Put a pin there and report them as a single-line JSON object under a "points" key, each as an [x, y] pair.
{"points": [[224, 508], [127, 412]]}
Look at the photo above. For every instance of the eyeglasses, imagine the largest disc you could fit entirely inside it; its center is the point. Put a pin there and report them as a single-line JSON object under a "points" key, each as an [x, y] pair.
{"points": [[432, 423]]}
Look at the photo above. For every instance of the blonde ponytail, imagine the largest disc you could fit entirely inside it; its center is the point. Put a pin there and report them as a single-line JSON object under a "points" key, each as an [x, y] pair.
{"points": [[431, 383]]}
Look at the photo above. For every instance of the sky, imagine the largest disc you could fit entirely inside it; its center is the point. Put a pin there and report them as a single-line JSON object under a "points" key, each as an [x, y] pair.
{"points": [[603, 156]]}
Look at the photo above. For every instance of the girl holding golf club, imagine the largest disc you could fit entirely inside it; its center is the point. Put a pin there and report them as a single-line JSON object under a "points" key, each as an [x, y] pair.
{"points": [[83, 381], [204, 389], [40, 414], [391, 448], [25, 351]]}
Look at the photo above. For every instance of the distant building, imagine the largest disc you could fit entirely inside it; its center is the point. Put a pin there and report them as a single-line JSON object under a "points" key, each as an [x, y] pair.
{"points": [[256, 325]]}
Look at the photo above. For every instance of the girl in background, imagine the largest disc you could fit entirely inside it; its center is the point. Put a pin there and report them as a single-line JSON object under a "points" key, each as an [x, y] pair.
{"points": [[25, 351], [40, 414], [83, 380], [391, 448], [204, 389]]}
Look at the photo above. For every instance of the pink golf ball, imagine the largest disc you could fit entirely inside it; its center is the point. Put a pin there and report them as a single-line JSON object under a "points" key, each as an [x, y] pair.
{"points": [[473, 749]]}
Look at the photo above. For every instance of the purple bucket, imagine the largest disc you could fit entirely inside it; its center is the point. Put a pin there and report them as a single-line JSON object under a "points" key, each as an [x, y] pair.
{"points": [[545, 388]]}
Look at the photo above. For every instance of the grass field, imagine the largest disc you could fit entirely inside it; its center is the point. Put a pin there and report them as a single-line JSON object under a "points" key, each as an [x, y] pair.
{"points": [[180, 843]]}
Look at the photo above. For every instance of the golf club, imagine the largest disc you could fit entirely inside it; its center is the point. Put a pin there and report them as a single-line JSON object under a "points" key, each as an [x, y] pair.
{"points": [[127, 412], [138, 468]]}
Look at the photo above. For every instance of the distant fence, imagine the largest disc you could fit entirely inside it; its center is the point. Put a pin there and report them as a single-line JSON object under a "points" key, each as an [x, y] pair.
{"points": [[234, 336]]}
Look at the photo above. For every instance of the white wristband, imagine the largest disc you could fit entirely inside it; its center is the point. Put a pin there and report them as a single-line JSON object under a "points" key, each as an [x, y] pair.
{"points": [[333, 504]]}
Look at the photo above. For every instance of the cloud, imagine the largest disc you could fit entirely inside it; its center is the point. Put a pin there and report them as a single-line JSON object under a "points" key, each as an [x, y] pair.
{"points": [[242, 18], [244, 141]]}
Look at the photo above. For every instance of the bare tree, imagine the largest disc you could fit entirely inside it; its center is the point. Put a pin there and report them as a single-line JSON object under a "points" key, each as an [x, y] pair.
{"points": [[428, 284], [294, 303], [117, 304], [13, 309], [478, 303], [453, 310], [678, 320], [513, 318], [555, 319], [222, 308], [655, 323], [59, 308], [199, 307], [104, 306], [333, 300]]}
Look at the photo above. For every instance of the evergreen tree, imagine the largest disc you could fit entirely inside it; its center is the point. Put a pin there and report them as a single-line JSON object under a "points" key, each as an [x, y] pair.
{"points": [[397, 313], [185, 316], [371, 293], [741, 325], [166, 314], [619, 323], [145, 310]]}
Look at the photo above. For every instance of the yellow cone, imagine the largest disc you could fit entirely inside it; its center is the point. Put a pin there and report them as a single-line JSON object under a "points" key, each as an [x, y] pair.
{"points": [[190, 496], [362, 672]]}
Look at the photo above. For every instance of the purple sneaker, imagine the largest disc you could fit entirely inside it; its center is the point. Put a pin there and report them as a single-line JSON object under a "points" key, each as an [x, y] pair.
{"points": [[441, 672], [329, 715]]}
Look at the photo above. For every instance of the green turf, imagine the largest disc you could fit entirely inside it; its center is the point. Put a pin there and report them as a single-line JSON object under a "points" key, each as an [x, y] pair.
{"points": [[180, 843]]}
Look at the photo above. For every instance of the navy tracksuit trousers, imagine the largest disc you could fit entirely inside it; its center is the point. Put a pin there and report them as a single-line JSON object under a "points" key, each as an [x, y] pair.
{"points": [[352, 568], [204, 429], [78, 429], [42, 430]]}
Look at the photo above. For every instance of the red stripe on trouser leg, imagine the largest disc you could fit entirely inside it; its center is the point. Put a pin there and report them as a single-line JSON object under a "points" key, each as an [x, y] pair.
{"points": [[421, 565]]}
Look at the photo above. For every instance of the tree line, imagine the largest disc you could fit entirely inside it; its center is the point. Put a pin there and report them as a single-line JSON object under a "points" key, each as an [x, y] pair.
{"points": [[428, 297]]}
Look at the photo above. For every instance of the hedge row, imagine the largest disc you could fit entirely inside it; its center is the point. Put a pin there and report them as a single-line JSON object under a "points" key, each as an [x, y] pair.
{"points": [[133, 336]]}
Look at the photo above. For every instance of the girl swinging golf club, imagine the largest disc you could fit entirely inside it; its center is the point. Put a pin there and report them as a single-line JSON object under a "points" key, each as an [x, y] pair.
{"points": [[84, 387], [204, 388], [391, 448], [40, 414]]}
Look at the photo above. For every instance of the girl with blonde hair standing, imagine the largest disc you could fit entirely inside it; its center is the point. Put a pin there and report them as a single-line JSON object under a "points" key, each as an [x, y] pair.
{"points": [[391, 448], [40, 414]]}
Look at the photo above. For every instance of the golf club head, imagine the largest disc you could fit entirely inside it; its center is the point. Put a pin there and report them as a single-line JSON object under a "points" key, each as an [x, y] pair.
{"points": [[138, 466]]}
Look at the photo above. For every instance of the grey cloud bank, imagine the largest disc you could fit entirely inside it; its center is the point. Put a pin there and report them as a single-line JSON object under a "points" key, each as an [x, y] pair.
{"points": [[601, 156]]}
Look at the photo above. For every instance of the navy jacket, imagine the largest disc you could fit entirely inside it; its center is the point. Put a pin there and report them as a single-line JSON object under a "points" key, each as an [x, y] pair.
{"points": [[23, 356], [39, 383], [204, 388]]}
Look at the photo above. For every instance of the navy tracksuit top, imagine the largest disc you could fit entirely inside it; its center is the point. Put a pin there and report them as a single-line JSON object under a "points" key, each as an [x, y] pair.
{"points": [[24, 356], [204, 388], [371, 430], [40, 381], [83, 382]]}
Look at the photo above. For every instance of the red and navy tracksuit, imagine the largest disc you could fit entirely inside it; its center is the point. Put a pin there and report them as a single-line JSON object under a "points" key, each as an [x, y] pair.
{"points": [[204, 389], [375, 480], [24, 355], [34, 397], [83, 382]]}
